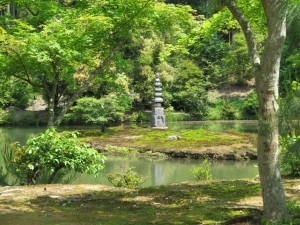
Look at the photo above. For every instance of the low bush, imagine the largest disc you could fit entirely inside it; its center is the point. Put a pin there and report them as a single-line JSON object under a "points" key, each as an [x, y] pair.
{"points": [[3, 117], [50, 153], [229, 112], [193, 101], [250, 106], [14, 93], [290, 155], [202, 172], [126, 178], [104, 111]]}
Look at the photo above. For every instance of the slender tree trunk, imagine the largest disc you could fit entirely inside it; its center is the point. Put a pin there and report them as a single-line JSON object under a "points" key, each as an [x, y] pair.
{"points": [[266, 72], [52, 95], [267, 151], [53, 175], [267, 92], [51, 113]]}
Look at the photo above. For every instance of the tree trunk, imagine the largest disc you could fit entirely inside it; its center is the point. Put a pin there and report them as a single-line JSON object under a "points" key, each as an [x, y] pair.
{"points": [[267, 92], [51, 105], [266, 72], [51, 113], [267, 149]]}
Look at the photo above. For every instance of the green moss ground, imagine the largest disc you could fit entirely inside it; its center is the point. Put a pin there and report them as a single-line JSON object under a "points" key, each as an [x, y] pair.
{"points": [[210, 202], [191, 139]]}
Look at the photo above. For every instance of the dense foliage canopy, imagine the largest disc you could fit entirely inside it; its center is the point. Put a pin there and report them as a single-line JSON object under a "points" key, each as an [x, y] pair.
{"points": [[66, 50]]}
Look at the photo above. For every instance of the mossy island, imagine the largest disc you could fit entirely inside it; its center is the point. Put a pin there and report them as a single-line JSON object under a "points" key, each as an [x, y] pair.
{"points": [[178, 143]]}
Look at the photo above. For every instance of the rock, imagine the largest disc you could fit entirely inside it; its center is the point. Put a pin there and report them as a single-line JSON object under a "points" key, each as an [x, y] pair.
{"points": [[174, 137]]}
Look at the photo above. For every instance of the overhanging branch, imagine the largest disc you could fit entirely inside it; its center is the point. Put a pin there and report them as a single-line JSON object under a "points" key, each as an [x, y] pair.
{"points": [[247, 30]]}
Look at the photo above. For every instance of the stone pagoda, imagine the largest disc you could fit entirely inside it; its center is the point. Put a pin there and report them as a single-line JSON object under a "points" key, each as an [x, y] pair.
{"points": [[158, 119]]}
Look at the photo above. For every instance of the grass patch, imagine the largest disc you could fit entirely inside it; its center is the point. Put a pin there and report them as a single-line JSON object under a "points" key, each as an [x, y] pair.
{"points": [[209, 202], [189, 203]]}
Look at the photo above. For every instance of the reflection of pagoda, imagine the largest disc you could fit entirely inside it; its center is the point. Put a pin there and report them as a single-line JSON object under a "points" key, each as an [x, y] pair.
{"points": [[158, 119]]}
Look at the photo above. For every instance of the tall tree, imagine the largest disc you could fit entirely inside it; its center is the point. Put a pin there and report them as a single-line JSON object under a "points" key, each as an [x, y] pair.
{"points": [[60, 48], [266, 69]]}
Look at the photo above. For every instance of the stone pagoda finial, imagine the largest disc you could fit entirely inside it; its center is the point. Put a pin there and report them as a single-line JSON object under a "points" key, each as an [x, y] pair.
{"points": [[158, 119]]}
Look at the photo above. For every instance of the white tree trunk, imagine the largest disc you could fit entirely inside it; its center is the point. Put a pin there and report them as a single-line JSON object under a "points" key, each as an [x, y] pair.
{"points": [[267, 92], [266, 72]]}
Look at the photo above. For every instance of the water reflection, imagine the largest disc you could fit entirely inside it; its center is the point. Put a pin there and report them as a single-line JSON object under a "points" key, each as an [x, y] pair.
{"points": [[156, 172]]}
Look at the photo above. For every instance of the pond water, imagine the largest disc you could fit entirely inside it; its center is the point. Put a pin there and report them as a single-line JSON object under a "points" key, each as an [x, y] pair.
{"points": [[155, 171]]}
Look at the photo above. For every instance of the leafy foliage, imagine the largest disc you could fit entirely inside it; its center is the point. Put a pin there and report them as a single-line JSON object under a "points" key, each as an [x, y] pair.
{"points": [[250, 106], [290, 139], [14, 93], [50, 153], [193, 100], [228, 110], [3, 116], [202, 172], [290, 155], [104, 111], [127, 177]]}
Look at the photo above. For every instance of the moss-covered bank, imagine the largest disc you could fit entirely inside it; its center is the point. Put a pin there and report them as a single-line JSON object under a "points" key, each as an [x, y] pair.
{"points": [[192, 143], [209, 202]]}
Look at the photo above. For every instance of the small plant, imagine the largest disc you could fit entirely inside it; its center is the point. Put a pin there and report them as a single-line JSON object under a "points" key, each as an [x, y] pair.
{"points": [[290, 155], [250, 106], [51, 154], [126, 178], [228, 110], [202, 172]]}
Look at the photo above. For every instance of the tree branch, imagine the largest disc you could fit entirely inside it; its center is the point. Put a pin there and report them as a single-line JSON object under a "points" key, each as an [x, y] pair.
{"points": [[247, 30], [30, 10], [86, 84], [131, 18], [27, 79]]}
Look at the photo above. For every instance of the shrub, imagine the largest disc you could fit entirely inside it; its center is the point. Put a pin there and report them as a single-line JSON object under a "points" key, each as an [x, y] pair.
{"points": [[250, 106], [139, 116], [126, 178], [3, 117], [290, 155], [14, 93], [193, 100], [228, 111], [105, 111], [51, 153], [202, 172]]}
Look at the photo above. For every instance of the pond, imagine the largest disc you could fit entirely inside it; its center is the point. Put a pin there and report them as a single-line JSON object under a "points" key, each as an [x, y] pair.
{"points": [[155, 171]]}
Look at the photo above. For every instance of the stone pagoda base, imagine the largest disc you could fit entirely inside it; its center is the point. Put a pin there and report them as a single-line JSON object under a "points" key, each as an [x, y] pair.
{"points": [[158, 119]]}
